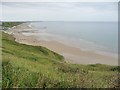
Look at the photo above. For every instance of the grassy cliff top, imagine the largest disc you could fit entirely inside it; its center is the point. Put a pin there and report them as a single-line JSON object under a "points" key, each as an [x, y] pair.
{"points": [[36, 66], [6, 25], [10, 24]]}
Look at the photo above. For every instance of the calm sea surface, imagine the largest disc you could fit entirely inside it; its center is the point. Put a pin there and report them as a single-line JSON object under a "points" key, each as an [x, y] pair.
{"points": [[103, 34]]}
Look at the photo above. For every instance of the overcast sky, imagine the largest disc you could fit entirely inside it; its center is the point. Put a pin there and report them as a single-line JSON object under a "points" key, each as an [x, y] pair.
{"points": [[60, 0], [59, 11]]}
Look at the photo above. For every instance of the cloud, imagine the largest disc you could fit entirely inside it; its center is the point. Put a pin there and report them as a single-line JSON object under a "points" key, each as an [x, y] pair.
{"points": [[72, 11], [59, 0]]}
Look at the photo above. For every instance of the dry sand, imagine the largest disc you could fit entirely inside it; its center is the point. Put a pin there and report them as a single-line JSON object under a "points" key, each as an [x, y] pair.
{"points": [[71, 54]]}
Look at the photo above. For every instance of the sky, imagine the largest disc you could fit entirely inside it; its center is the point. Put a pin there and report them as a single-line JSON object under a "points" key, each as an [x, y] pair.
{"points": [[60, 0], [59, 11]]}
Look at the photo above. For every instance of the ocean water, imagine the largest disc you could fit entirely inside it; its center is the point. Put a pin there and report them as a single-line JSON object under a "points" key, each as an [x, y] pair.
{"points": [[88, 35]]}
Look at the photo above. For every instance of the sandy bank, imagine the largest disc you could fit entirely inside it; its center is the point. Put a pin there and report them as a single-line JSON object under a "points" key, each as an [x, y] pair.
{"points": [[71, 54]]}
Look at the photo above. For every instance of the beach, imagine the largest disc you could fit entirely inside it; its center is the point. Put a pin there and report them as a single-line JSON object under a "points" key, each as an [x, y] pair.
{"points": [[71, 54]]}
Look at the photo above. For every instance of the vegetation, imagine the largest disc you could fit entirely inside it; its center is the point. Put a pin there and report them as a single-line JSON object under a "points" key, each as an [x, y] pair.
{"points": [[35, 66], [6, 25]]}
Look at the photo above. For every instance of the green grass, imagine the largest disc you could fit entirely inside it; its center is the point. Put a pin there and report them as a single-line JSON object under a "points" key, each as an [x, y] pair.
{"points": [[10, 24], [6, 25], [36, 66]]}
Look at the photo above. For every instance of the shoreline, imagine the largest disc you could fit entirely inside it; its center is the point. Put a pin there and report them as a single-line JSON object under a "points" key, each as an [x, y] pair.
{"points": [[71, 54]]}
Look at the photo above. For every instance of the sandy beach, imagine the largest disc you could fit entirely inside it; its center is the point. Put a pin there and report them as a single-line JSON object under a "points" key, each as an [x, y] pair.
{"points": [[71, 54]]}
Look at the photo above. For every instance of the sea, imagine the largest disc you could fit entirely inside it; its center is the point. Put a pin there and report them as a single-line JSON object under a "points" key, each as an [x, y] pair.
{"points": [[100, 37]]}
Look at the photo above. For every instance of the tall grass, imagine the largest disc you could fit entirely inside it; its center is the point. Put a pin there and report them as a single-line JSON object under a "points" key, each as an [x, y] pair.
{"points": [[35, 66]]}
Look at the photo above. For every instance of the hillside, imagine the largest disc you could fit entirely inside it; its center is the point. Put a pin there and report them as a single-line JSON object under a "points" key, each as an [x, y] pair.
{"points": [[36, 66], [6, 25]]}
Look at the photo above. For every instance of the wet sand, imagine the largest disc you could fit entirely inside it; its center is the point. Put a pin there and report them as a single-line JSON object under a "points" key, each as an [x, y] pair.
{"points": [[71, 54]]}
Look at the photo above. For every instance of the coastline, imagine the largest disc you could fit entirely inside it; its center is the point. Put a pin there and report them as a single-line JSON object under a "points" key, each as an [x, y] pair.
{"points": [[71, 54]]}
